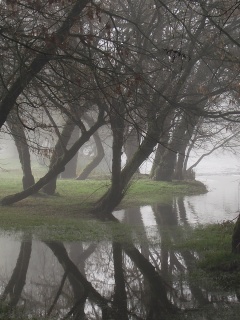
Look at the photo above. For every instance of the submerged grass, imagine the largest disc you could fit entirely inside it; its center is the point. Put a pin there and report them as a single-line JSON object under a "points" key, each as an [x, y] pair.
{"points": [[214, 262]]}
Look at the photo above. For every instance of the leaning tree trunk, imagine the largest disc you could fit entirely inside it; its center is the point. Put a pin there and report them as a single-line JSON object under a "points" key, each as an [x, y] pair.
{"points": [[58, 152], [115, 193], [95, 162], [18, 134], [71, 167], [100, 153]]}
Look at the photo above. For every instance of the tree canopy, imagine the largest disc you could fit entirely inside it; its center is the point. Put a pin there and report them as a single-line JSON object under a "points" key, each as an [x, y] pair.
{"points": [[164, 72]]}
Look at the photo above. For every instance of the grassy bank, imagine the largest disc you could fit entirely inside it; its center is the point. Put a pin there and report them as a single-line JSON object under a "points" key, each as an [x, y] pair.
{"points": [[74, 199]]}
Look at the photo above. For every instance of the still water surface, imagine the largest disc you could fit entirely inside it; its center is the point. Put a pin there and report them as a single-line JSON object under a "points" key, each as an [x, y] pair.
{"points": [[141, 279]]}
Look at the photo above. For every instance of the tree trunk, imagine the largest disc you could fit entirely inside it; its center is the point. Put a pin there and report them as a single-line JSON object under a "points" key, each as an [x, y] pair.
{"points": [[71, 167], [164, 140], [58, 152], [179, 173], [95, 162], [115, 193], [181, 135], [18, 134], [236, 237], [165, 169], [131, 144], [122, 178], [157, 159]]}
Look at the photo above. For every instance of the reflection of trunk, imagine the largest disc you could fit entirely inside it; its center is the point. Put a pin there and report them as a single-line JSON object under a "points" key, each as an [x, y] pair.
{"points": [[59, 291], [71, 166], [88, 290], [57, 168], [133, 218], [95, 162], [166, 217], [16, 283], [155, 281], [17, 131], [120, 297], [58, 152], [78, 256], [199, 294], [79, 291], [182, 210]]}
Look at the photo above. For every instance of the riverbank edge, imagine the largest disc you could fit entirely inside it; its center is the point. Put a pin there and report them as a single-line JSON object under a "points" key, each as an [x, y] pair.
{"points": [[67, 211]]}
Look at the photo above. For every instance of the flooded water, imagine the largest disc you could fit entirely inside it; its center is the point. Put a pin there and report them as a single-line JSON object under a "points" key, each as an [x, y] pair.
{"points": [[132, 279]]}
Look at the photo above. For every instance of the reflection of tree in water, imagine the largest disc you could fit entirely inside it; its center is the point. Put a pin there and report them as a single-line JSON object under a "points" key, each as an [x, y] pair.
{"points": [[115, 280], [177, 266], [13, 290], [110, 299]]}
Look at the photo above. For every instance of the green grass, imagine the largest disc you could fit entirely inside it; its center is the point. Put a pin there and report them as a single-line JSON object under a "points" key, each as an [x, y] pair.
{"points": [[215, 264], [76, 197], [145, 191], [66, 214]]}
